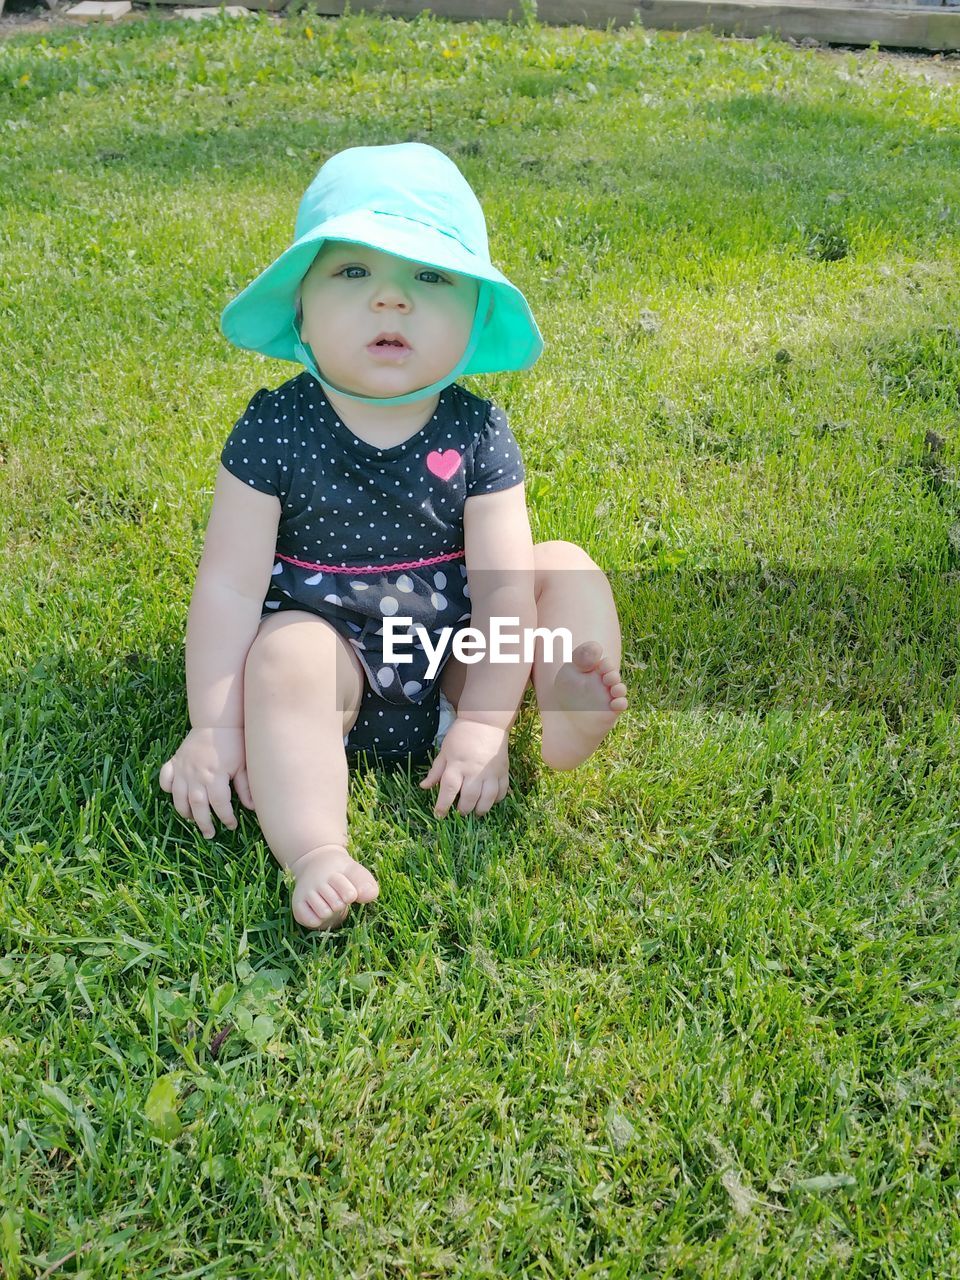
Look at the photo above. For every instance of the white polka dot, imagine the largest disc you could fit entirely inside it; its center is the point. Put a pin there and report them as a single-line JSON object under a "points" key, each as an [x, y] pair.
{"points": [[360, 586], [332, 599], [404, 583], [439, 581], [437, 600], [412, 687], [388, 605], [385, 676]]}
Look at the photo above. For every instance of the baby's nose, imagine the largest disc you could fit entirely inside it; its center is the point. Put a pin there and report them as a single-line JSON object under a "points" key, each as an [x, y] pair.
{"points": [[392, 293]]}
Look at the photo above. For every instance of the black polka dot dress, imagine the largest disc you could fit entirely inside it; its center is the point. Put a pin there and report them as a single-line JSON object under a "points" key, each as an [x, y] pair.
{"points": [[368, 533]]}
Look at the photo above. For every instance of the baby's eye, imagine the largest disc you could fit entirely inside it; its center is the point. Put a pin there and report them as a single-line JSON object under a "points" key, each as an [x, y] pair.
{"points": [[426, 272]]}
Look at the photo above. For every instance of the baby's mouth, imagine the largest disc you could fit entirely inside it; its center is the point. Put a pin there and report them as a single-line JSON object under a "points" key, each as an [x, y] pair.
{"points": [[389, 351], [390, 341]]}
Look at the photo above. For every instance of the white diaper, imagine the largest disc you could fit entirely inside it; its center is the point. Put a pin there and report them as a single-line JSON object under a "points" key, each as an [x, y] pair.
{"points": [[447, 717]]}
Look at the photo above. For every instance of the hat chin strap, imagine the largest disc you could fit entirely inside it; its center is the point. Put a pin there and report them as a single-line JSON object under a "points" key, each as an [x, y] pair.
{"points": [[305, 356]]}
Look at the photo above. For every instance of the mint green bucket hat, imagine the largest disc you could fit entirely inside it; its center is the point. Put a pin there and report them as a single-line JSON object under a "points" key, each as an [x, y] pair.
{"points": [[410, 200]]}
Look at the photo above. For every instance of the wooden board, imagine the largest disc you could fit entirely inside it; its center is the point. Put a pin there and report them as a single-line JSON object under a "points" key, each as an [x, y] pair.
{"points": [[895, 26], [272, 5]]}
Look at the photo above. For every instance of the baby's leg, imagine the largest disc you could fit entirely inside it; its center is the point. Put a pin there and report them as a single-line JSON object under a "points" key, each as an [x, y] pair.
{"points": [[579, 700], [302, 691]]}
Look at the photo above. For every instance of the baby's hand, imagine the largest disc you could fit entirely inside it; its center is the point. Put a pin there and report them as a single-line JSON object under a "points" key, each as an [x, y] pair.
{"points": [[472, 760], [198, 776]]}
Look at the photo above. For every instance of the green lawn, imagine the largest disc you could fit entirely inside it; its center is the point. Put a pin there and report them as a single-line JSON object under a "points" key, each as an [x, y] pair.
{"points": [[691, 1010]]}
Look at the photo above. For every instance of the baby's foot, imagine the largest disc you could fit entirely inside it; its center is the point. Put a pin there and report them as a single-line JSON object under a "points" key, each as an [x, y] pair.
{"points": [[328, 880], [582, 707]]}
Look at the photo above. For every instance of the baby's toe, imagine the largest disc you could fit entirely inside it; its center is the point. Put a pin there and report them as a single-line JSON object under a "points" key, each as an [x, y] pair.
{"points": [[312, 912], [367, 887], [587, 655], [330, 896], [330, 917], [344, 886]]}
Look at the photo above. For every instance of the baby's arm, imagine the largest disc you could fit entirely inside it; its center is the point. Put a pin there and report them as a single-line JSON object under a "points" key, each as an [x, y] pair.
{"points": [[473, 759], [232, 580]]}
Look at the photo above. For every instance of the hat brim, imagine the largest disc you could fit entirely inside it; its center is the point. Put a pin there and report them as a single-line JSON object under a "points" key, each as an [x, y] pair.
{"points": [[261, 317]]}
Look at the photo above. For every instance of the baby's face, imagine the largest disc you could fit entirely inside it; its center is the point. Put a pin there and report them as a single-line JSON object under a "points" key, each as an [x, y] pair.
{"points": [[352, 294]]}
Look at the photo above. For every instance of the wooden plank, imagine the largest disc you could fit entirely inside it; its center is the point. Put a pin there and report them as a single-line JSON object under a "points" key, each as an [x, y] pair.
{"points": [[900, 26], [897, 26], [271, 5]]}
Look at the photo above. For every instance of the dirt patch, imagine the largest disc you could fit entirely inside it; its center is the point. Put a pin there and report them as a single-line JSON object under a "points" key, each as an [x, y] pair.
{"points": [[938, 68], [42, 20]]}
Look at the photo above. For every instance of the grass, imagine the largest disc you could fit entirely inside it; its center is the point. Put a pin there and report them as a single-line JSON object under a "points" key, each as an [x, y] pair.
{"points": [[691, 1010]]}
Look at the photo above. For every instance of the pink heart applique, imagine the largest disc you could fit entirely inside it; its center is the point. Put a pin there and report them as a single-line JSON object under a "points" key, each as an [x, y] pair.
{"points": [[444, 464]]}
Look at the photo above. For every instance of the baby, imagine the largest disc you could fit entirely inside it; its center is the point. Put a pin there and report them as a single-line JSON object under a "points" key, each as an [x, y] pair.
{"points": [[366, 511]]}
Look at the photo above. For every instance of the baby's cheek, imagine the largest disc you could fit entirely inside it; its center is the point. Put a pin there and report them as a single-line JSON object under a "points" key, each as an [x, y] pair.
{"points": [[459, 319]]}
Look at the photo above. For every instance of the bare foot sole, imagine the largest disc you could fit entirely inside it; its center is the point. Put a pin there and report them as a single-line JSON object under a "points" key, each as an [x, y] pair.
{"points": [[327, 881], [585, 702]]}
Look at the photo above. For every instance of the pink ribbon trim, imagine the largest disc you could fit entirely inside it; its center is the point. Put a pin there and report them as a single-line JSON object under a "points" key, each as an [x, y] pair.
{"points": [[375, 568]]}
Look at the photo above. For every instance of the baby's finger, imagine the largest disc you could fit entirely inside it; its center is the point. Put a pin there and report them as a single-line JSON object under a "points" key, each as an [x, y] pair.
{"points": [[219, 794], [241, 785], [180, 801], [503, 788], [449, 786], [200, 809], [469, 795], [434, 774], [166, 776], [488, 796]]}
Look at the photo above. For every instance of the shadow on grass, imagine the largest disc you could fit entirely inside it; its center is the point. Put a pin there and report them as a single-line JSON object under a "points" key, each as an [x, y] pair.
{"points": [[694, 641], [753, 641]]}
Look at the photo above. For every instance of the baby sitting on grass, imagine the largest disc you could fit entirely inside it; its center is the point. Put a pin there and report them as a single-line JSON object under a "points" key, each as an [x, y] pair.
{"points": [[369, 494]]}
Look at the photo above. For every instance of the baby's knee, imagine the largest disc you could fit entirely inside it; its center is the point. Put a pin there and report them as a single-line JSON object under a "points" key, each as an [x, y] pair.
{"points": [[559, 554], [272, 661], [302, 657]]}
